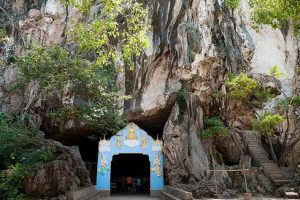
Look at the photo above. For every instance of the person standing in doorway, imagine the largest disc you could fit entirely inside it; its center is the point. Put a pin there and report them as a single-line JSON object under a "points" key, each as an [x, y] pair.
{"points": [[138, 184], [134, 185], [129, 184]]}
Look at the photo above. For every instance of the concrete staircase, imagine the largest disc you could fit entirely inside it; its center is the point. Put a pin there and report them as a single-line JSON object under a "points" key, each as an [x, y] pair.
{"points": [[261, 158]]}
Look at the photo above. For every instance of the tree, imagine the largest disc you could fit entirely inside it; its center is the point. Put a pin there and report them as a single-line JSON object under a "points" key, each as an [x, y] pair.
{"points": [[273, 12], [266, 125], [54, 68], [290, 131], [283, 120], [116, 31]]}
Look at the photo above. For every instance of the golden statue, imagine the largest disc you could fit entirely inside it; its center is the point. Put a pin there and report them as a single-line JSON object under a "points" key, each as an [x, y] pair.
{"points": [[144, 142], [157, 168], [119, 142], [131, 133]]}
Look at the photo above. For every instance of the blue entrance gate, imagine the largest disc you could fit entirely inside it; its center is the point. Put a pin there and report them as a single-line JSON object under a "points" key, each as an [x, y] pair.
{"points": [[131, 139]]}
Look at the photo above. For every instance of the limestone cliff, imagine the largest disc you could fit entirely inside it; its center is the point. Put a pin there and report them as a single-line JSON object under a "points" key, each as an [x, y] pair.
{"points": [[193, 43]]}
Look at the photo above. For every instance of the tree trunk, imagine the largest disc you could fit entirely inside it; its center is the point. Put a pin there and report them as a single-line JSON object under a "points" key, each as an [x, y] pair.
{"points": [[283, 155], [272, 149]]}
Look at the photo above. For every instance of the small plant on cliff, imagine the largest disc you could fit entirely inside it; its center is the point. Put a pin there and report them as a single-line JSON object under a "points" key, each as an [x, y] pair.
{"points": [[232, 3], [180, 99], [21, 150], [3, 36], [244, 89], [213, 126]]}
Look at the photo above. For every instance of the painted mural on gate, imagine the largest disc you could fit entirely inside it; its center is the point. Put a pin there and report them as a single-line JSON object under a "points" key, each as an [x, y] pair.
{"points": [[131, 139]]}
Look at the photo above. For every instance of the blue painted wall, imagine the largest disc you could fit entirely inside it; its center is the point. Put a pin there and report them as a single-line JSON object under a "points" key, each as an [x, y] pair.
{"points": [[109, 148]]}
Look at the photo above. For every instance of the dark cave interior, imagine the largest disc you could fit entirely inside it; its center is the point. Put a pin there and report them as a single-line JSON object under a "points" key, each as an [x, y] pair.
{"points": [[136, 166], [88, 145]]}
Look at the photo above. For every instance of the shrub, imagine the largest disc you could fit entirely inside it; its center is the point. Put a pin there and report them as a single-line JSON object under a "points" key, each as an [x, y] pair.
{"points": [[21, 150], [180, 99], [267, 123], [232, 3], [242, 87], [213, 126], [247, 90]]}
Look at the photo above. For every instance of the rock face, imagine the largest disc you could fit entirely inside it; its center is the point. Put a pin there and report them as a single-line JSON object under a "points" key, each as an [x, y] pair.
{"points": [[194, 44], [185, 156], [65, 173]]}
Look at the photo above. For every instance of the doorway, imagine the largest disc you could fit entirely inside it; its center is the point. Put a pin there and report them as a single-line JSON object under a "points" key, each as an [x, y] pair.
{"points": [[130, 174]]}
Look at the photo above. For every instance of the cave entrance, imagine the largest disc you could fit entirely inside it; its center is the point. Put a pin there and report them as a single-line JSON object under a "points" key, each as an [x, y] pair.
{"points": [[130, 174], [130, 153], [88, 148]]}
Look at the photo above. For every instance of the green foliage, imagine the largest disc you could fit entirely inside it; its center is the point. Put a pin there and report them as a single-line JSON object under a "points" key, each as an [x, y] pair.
{"points": [[3, 36], [261, 96], [286, 102], [276, 13], [273, 12], [232, 3], [21, 150], [180, 99], [192, 55], [55, 68], [267, 123], [83, 6], [276, 72], [242, 87], [118, 32], [245, 89], [213, 126], [296, 101]]}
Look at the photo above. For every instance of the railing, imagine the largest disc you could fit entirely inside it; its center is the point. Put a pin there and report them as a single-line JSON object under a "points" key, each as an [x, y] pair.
{"points": [[246, 195]]}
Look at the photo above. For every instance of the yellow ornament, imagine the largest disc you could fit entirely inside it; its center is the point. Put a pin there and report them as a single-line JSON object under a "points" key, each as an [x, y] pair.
{"points": [[157, 168], [144, 142], [131, 133], [119, 142]]}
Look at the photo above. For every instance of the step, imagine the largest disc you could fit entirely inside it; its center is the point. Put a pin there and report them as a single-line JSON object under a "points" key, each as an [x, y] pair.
{"points": [[168, 196], [177, 192], [281, 182], [258, 151], [82, 193], [291, 195], [261, 157]]}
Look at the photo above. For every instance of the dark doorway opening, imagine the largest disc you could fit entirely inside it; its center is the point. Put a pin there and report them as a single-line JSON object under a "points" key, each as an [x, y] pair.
{"points": [[130, 174]]}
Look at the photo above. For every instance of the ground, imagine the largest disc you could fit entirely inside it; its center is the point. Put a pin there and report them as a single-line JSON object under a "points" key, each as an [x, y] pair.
{"points": [[129, 197]]}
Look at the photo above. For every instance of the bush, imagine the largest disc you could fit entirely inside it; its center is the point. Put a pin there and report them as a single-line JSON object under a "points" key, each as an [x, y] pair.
{"points": [[267, 123], [232, 3], [180, 99], [21, 151], [213, 126], [247, 90]]}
